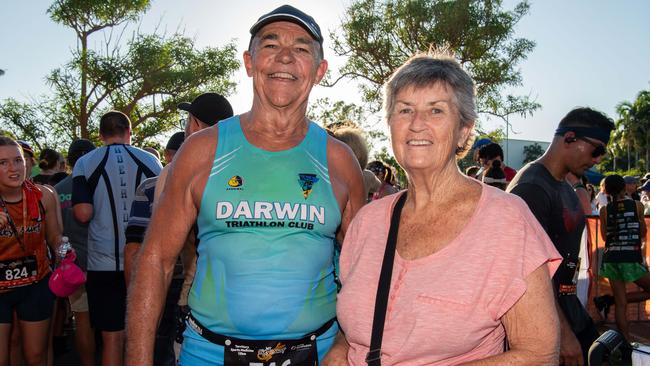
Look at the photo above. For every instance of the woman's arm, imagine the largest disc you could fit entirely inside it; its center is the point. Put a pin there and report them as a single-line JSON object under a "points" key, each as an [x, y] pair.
{"points": [[603, 222], [53, 222], [532, 326], [643, 229]]}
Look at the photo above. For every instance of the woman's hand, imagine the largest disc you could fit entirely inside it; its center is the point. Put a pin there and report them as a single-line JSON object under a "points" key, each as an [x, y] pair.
{"points": [[338, 354]]}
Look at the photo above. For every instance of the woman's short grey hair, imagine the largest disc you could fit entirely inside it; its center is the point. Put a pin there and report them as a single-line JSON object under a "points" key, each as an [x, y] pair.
{"points": [[425, 70]]}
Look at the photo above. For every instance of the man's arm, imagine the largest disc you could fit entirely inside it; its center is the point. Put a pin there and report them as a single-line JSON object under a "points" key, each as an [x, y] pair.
{"points": [[345, 169], [539, 204], [532, 326], [171, 221], [82, 196]]}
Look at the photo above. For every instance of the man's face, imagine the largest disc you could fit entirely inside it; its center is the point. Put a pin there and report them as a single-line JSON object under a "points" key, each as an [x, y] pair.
{"points": [[630, 188], [284, 65], [584, 153]]}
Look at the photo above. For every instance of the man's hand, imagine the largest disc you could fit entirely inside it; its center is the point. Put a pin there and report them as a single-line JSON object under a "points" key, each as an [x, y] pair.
{"points": [[570, 350], [338, 354]]}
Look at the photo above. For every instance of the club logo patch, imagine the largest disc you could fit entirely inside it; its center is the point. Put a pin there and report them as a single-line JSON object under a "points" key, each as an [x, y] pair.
{"points": [[307, 182], [235, 181]]}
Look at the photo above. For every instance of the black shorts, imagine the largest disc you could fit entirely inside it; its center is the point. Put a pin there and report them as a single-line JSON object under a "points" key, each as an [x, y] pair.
{"points": [[33, 303], [106, 300]]}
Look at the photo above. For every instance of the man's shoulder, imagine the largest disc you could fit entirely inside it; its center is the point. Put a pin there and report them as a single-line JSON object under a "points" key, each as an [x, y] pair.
{"points": [[531, 174]]}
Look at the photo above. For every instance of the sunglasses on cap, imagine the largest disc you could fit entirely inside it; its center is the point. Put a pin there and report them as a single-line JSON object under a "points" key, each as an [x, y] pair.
{"points": [[599, 150]]}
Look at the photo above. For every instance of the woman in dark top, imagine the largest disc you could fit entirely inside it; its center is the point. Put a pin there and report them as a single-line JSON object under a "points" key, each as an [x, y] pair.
{"points": [[52, 166], [623, 225]]}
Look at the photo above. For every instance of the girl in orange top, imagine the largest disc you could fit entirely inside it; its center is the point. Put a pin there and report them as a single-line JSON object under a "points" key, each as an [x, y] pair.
{"points": [[29, 220]]}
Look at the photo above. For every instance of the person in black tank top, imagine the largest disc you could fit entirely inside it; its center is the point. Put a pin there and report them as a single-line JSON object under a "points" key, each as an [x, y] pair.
{"points": [[623, 225]]}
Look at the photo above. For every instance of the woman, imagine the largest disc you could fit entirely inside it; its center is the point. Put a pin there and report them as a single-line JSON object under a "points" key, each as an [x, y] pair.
{"points": [[623, 226], [29, 220], [52, 165], [495, 176], [353, 137], [457, 287], [383, 172]]}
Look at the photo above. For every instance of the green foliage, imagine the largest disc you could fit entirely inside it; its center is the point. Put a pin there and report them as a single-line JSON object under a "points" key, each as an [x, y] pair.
{"points": [[88, 16], [24, 122], [379, 36], [145, 77], [327, 113], [334, 114], [532, 152], [630, 143]]}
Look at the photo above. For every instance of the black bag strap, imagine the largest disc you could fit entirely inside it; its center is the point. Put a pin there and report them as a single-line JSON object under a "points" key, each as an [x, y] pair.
{"points": [[373, 358]]}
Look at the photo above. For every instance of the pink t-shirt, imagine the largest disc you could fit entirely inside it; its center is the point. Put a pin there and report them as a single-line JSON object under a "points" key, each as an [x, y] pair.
{"points": [[443, 309]]}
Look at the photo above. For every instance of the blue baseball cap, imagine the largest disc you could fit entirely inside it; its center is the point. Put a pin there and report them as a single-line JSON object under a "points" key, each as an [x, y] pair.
{"points": [[288, 13], [481, 142]]}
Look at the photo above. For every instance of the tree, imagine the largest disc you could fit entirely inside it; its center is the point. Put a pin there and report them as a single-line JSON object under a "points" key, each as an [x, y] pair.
{"points": [[332, 114], [631, 136], [144, 77], [532, 152], [25, 121], [86, 17], [378, 36]]}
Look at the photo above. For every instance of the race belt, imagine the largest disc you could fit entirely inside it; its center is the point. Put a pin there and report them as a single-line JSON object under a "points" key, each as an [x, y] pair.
{"points": [[256, 352], [18, 272]]}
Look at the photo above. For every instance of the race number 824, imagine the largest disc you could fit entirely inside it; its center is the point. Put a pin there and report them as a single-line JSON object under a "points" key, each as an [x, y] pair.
{"points": [[16, 273]]}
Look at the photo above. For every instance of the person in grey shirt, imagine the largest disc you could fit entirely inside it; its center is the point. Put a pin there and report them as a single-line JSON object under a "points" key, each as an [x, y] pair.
{"points": [[104, 184], [77, 233]]}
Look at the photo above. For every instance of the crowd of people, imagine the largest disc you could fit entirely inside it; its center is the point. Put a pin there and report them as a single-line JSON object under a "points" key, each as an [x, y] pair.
{"points": [[229, 254]]}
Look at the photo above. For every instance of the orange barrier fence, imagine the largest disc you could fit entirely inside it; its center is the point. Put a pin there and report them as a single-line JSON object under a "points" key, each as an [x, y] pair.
{"points": [[600, 286]]}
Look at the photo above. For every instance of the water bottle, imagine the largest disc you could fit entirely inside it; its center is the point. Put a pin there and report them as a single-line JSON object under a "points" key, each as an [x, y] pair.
{"points": [[64, 248]]}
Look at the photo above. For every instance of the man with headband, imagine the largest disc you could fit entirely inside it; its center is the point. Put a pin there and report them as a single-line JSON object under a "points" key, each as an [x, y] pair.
{"points": [[269, 191], [579, 143]]}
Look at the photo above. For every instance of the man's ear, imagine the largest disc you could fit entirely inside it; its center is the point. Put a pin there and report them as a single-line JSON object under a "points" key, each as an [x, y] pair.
{"points": [[320, 72], [569, 137], [248, 63]]}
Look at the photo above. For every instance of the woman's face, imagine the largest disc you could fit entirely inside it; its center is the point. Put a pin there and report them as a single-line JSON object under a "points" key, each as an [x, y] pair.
{"points": [[12, 167], [425, 128]]}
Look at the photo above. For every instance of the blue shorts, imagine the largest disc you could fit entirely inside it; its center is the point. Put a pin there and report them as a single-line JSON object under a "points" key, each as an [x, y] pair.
{"points": [[33, 303], [197, 350]]}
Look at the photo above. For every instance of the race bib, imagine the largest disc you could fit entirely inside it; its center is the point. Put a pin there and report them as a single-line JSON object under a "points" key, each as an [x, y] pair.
{"points": [[302, 352], [567, 276], [18, 272]]}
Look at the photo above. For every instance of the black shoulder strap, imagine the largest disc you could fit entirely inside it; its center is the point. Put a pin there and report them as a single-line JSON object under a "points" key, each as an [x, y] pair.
{"points": [[373, 358]]}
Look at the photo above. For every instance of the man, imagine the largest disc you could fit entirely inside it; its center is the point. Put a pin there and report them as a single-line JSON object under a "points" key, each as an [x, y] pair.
{"points": [[211, 107], [173, 145], [579, 143], [269, 191], [631, 187], [104, 183], [78, 235], [489, 153]]}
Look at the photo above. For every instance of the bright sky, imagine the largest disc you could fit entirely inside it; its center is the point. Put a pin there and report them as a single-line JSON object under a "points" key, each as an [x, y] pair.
{"points": [[589, 52]]}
